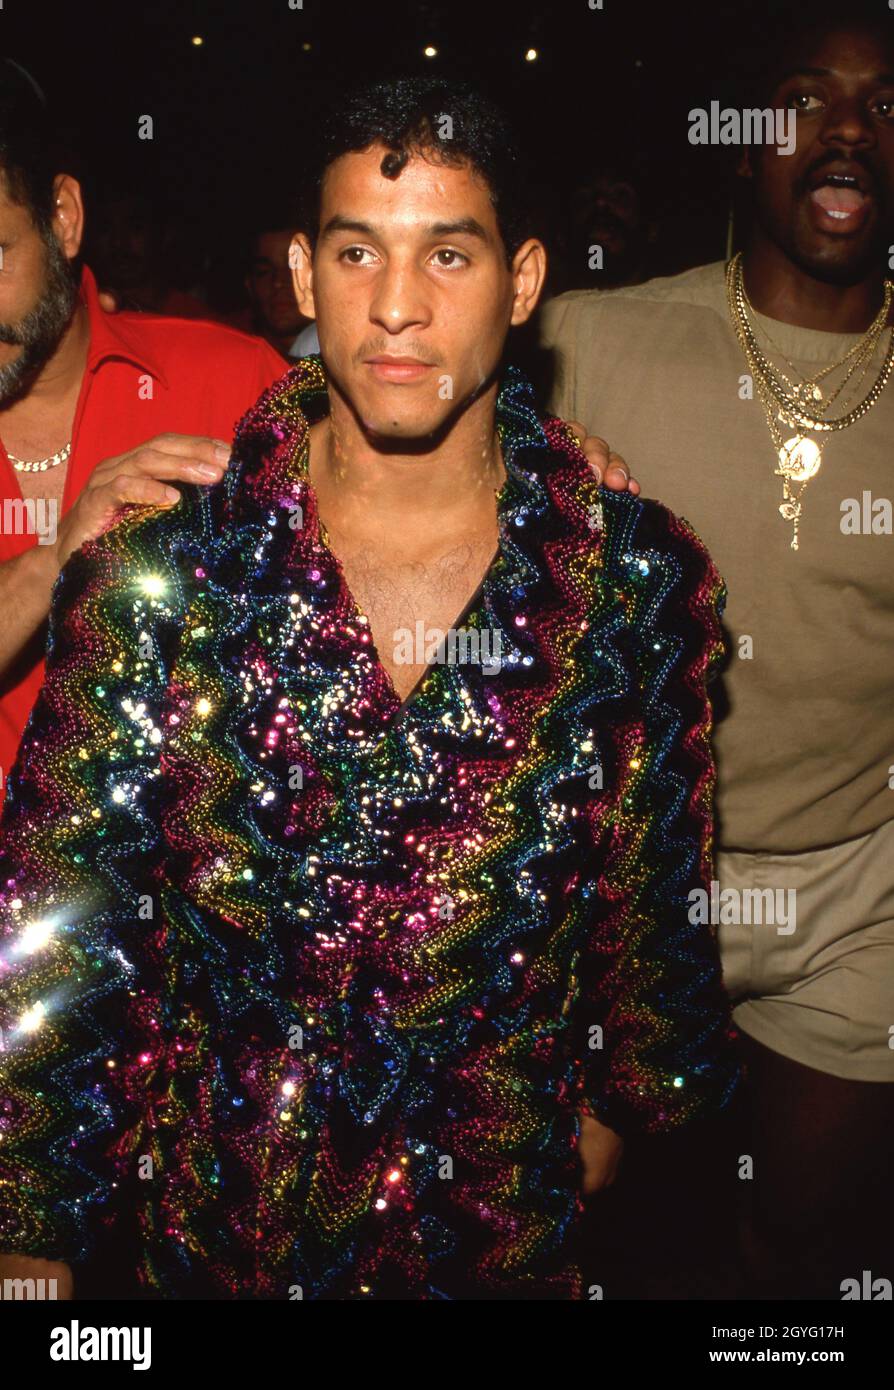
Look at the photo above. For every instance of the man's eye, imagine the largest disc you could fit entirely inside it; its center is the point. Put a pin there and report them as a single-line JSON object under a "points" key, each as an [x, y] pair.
{"points": [[885, 108], [804, 101], [447, 258], [354, 255]]}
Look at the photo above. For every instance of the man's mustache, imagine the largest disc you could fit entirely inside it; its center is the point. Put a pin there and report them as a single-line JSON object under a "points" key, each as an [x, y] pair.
{"points": [[840, 157]]}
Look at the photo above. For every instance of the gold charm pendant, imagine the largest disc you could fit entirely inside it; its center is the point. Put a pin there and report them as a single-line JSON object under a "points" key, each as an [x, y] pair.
{"points": [[790, 509], [799, 461], [808, 393]]}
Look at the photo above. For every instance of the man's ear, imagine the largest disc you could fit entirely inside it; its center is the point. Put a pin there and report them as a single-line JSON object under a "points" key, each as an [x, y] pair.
{"points": [[528, 275], [301, 264], [68, 214]]}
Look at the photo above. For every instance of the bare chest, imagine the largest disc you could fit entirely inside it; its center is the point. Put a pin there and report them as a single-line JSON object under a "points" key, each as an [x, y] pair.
{"points": [[413, 604], [25, 436], [48, 485]]}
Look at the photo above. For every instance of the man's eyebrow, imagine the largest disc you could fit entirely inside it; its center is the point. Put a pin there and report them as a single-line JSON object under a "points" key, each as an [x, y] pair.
{"points": [[346, 224], [463, 226], [884, 79], [803, 72]]}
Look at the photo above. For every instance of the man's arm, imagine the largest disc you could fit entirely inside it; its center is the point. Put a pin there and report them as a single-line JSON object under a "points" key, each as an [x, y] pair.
{"points": [[653, 971], [26, 584], [79, 881], [22, 1267], [143, 476]]}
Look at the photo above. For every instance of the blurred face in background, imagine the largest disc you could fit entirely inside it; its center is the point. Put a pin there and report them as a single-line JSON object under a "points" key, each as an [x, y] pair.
{"points": [[269, 286], [127, 242], [607, 211]]}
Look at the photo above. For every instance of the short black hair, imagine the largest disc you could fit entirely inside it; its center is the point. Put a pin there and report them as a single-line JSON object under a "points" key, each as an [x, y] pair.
{"points": [[776, 32], [28, 152], [446, 122]]}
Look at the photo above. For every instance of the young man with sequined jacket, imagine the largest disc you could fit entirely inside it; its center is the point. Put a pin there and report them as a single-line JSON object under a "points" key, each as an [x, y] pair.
{"points": [[319, 940]]}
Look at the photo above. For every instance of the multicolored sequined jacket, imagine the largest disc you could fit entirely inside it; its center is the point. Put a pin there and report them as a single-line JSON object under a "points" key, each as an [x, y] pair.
{"points": [[312, 984]]}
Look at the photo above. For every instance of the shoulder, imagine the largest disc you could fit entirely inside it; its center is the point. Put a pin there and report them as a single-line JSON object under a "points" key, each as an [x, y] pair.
{"points": [[641, 540], [641, 521], [702, 288], [664, 576], [638, 529], [276, 422], [175, 340], [144, 542]]}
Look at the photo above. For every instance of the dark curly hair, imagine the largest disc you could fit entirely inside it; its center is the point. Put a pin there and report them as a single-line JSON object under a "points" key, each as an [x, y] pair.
{"points": [[443, 121]]}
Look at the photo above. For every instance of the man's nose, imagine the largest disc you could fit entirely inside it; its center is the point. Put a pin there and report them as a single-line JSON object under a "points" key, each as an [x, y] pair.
{"points": [[399, 300], [848, 123]]}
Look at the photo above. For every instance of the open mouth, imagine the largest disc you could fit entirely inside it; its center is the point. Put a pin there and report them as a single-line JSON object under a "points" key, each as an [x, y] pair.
{"points": [[842, 201]]}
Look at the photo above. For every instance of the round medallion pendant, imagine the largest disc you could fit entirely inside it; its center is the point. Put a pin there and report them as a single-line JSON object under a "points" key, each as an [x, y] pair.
{"points": [[799, 459]]}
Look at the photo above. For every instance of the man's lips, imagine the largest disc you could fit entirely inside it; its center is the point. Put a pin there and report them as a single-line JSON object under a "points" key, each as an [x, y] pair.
{"points": [[841, 198], [398, 368], [841, 209]]}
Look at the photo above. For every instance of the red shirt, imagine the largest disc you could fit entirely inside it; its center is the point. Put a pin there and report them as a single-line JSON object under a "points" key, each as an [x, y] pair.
{"points": [[146, 374]]}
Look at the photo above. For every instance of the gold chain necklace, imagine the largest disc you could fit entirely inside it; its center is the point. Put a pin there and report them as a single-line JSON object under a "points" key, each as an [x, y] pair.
{"points": [[807, 389], [802, 407], [40, 465], [793, 406]]}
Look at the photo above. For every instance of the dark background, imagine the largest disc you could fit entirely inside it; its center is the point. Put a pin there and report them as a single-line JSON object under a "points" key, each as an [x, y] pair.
{"points": [[230, 116]]}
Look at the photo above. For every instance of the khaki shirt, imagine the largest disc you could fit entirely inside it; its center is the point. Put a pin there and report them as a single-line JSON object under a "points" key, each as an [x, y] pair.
{"points": [[805, 715]]}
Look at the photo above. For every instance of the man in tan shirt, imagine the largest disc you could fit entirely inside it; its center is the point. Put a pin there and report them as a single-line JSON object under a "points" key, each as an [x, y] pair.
{"points": [[804, 901]]}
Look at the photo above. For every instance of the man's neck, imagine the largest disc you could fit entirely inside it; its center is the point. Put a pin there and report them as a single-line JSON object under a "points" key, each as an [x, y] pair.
{"points": [[781, 290], [411, 496], [60, 378]]}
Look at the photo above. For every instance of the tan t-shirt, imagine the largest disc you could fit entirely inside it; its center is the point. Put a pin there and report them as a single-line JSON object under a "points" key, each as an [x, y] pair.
{"points": [[805, 718]]}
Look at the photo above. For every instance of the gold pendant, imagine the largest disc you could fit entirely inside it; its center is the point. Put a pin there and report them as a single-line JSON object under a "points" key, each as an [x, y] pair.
{"points": [[799, 459], [790, 509], [808, 393]]}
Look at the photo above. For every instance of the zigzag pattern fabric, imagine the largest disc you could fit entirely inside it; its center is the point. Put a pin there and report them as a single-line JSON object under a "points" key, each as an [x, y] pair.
{"points": [[312, 983]]}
